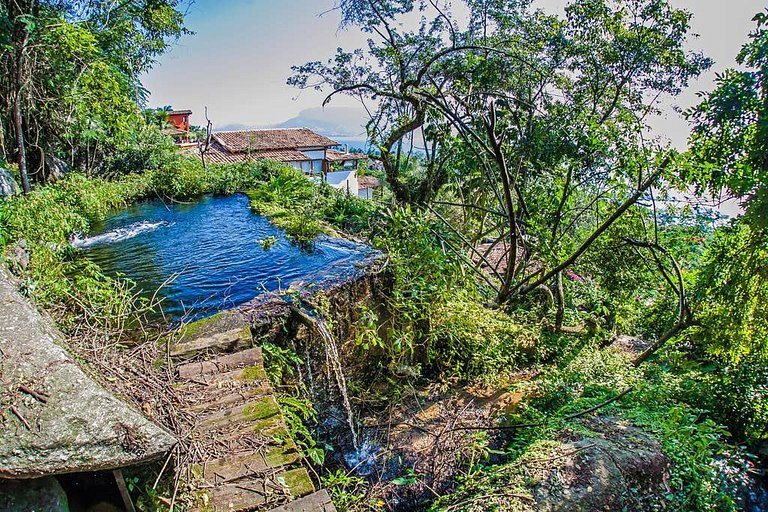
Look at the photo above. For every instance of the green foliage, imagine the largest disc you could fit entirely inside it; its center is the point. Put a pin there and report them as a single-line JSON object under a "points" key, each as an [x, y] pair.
{"points": [[728, 144], [299, 413], [279, 362], [731, 293], [54, 213], [286, 188], [289, 199], [470, 341], [425, 275], [348, 213], [303, 209], [590, 378], [75, 69], [734, 395], [348, 491]]}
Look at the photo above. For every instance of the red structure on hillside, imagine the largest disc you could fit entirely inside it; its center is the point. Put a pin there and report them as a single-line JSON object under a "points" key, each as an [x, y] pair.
{"points": [[180, 119]]}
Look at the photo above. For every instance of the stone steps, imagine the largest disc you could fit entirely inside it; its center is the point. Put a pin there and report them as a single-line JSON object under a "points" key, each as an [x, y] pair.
{"points": [[229, 341], [319, 501], [244, 459]]}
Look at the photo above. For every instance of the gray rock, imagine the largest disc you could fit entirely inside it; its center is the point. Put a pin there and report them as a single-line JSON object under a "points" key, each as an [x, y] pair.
{"points": [[56, 168], [19, 256], [77, 426], [42, 495], [621, 467], [8, 186]]}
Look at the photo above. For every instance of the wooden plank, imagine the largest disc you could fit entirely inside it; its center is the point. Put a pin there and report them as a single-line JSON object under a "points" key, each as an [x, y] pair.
{"points": [[319, 501], [261, 409], [247, 464], [250, 357], [217, 342], [229, 396]]}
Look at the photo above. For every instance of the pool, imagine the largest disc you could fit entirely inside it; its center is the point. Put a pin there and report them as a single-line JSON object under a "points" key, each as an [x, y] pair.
{"points": [[209, 255]]}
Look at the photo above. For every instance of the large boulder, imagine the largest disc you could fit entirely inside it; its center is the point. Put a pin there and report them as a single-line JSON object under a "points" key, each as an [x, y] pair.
{"points": [[56, 168], [620, 467], [53, 417], [8, 186]]}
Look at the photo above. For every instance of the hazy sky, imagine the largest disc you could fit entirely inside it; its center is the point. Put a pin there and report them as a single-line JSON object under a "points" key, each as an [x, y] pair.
{"points": [[240, 56]]}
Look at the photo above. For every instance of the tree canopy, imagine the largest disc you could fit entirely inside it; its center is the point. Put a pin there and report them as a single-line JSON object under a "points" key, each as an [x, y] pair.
{"points": [[70, 85]]}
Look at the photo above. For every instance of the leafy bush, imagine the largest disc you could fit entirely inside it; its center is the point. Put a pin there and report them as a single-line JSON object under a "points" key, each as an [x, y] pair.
{"points": [[469, 340]]}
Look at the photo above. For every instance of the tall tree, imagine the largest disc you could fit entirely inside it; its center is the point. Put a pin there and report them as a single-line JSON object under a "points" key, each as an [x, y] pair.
{"points": [[70, 75], [545, 114]]}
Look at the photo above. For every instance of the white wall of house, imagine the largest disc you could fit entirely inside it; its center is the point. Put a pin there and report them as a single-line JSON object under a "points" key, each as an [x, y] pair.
{"points": [[344, 180], [365, 193], [314, 153]]}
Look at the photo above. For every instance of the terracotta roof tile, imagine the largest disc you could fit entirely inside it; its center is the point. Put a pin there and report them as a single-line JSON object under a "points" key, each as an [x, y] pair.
{"points": [[256, 140], [218, 154], [281, 155]]}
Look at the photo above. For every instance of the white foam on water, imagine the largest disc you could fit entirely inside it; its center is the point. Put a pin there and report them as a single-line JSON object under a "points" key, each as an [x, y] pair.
{"points": [[119, 234], [363, 459]]}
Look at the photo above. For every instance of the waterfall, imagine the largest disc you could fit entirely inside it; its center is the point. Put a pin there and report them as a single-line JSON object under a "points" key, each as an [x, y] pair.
{"points": [[315, 320]]}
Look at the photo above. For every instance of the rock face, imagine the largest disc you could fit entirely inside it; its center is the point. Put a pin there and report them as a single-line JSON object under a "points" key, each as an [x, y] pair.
{"points": [[56, 167], [53, 418], [43, 495], [8, 186], [619, 468], [18, 257]]}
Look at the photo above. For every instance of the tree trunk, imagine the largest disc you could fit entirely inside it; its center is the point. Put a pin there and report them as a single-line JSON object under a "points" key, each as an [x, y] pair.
{"points": [[524, 288], [679, 327], [560, 300], [17, 115], [21, 144], [3, 152]]}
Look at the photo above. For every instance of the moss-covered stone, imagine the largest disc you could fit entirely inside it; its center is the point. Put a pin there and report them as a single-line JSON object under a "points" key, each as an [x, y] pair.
{"points": [[298, 482], [253, 373], [265, 408], [80, 426]]}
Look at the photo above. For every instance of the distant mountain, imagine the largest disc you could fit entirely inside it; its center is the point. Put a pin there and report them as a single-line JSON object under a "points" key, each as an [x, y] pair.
{"points": [[330, 121], [233, 127]]}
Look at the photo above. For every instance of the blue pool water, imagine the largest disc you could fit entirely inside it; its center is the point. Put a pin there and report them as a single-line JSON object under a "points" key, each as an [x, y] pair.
{"points": [[208, 254]]}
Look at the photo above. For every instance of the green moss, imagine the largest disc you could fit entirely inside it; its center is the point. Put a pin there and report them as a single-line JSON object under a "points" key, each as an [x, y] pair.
{"points": [[265, 408], [253, 373], [298, 482], [191, 330], [282, 455]]}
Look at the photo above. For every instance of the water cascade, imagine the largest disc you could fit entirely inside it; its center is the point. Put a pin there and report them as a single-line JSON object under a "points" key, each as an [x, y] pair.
{"points": [[314, 320]]}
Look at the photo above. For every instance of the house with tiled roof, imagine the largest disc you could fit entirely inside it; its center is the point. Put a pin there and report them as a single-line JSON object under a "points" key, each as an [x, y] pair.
{"points": [[314, 154]]}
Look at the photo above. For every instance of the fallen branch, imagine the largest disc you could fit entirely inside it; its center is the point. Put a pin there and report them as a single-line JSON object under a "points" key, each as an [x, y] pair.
{"points": [[41, 397], [16, 413], [544, 423], [600, 406]]}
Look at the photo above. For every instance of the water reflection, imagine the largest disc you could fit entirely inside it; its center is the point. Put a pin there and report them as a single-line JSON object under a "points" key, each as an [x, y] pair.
{"points": [[209, 252]]}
